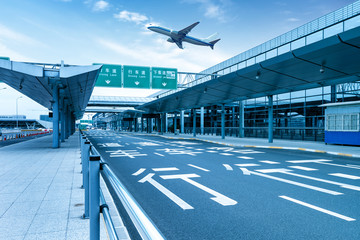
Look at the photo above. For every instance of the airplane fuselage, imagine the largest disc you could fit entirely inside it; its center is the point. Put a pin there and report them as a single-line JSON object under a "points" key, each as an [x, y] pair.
{"points": [[174, 35]]}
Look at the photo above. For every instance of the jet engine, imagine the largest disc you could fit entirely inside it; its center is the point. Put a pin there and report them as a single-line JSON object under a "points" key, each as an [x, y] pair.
{"points": [[170, 40]]}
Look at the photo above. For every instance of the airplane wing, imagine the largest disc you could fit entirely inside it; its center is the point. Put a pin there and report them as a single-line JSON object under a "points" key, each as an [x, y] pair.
{"points": [[188, 29], [179, 44]]}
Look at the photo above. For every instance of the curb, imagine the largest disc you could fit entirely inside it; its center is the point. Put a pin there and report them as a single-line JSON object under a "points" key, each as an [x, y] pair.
{"points": [[268, 147]]}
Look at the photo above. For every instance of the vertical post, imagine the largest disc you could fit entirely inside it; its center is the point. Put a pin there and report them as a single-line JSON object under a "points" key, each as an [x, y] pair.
{"points": [[194, 121], [271, 119], [166, 123], [223, 121], [63, 121], [161, 123], [175, 122], [83, 140], [241, 119], [56, 143], [233, 122], [94, 183], [151, 125], [182, 121], [142, 124], [202, 120], [333, 93], [85, 172]]}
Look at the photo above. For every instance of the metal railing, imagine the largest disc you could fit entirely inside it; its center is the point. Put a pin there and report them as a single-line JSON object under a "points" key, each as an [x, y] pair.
{"points": [[143, 224]]}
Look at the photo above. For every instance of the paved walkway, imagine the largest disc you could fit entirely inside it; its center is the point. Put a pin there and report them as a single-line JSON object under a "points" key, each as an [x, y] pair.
{"points": [[40, 194], [350, 151]]}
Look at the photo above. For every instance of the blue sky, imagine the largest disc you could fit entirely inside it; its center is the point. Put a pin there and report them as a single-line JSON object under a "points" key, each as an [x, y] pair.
{"points": [[114, 31]]}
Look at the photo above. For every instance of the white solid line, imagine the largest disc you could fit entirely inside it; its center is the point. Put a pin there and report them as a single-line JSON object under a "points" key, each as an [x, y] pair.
{"points": [[159, 154], [319, 209], [140, 171], [343, 185], [211, 151], [228, 167], [203, 169], [274, 170], [297, 183], [226, 154], [165, 169], [181, 203], [345, 176], [245, 157], [309, 161], [139, 148], [247, 165], [303, 168], [269, 162], [339, 165]]}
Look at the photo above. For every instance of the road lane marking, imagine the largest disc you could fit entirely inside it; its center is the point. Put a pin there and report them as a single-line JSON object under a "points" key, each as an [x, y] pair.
{"points": [[296, 183], [140, 171], [245, 157], [303, 168], [274, 170], [343, 185], [159, 154], [165, 169], [203, 169], [318, 209], [228, 167], [339, 165], [309, 161], [218, 197], [345, 176], [139, 148], [212, 151], [181, 203], [245, 171], [226, 154], [270, 162], [247, 165]]}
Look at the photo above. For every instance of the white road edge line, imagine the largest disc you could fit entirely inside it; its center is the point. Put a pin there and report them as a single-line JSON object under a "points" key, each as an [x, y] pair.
{"points": [[140, 171], [318, 209], [203, 169]]}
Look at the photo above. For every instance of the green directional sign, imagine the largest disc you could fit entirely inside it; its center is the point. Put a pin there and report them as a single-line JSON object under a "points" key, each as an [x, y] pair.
{"points": [[109, 76], [164, 78], [136, 77]]}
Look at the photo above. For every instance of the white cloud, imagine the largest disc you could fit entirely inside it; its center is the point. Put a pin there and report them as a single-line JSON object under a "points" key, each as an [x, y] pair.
{"points": [[101, 6], [292, 20], [210, 8], [127, 16], [9, 34]]}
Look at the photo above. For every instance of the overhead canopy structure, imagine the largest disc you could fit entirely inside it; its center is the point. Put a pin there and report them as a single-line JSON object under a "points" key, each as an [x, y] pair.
{"points": [[117, 101], [37, 80], [332, 60]]}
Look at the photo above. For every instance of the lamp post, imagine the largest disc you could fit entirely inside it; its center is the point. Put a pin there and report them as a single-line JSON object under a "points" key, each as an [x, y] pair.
{"points": [[17, 116]]}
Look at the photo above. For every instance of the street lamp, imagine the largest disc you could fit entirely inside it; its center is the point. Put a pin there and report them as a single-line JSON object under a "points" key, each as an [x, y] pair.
{"points": [[17, 116]]}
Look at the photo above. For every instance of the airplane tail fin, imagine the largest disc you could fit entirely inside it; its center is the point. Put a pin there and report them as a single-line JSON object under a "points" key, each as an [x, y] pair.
{"points": [[212, 37], [213, 43]]}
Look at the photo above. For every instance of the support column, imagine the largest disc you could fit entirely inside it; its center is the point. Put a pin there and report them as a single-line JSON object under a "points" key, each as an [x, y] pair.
{"points": [[175, 120], [271, 119], [194, 121], [162, 123], [166, 123], [333, 93], [202, 120], [223, 121], [233, 121], [241, 119], [63, 120], [150, 125], [142, 124], [73, 124], [182, 121], [55, 107]]}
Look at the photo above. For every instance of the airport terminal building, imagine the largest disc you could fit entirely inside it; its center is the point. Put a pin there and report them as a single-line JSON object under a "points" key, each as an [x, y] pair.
{"points": [[283, 85]]}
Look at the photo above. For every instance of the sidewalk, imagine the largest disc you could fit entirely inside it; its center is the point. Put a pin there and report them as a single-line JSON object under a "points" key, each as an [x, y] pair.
{"points": [[40, 194], [350, 151]]}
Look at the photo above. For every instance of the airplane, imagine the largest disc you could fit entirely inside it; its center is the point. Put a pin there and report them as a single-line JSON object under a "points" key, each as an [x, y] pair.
{"points": [[181, 36]]}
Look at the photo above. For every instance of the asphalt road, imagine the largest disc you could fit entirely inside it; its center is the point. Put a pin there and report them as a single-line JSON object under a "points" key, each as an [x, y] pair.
{"points": [[199, 190]]}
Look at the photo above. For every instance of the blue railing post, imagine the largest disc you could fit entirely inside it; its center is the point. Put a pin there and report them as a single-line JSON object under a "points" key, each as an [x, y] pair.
{"points": [[94, 184], [82, 146], [85, 169]]}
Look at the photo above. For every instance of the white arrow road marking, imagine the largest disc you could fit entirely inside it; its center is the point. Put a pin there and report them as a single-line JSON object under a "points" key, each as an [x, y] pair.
{"points": [[345, 176], [165, 169], [245, 171], [181, 203], [140, 171], [318, 209], [219, 198], [295, 183], [203, 169], [228, 167]]}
